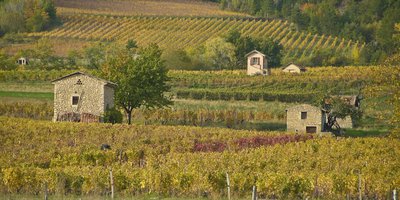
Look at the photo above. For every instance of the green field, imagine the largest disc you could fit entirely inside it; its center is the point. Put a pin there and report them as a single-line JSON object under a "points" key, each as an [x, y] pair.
{"points": [[27, 95]]}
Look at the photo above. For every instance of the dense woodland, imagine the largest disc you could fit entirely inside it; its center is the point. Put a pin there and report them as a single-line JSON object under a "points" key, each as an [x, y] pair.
{"points": [[369, 21], [26, 15]]}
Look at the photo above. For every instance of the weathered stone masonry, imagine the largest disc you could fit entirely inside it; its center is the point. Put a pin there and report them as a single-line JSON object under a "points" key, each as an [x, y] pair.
{"points": [[312, 120], [82, 97]]}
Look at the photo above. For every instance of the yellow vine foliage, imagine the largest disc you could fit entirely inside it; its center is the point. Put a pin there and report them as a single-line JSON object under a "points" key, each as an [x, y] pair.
{"points": [[67, 158]]}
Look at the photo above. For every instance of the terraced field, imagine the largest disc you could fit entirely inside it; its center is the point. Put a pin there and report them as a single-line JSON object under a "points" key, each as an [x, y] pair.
{"points": [[182, 32]]}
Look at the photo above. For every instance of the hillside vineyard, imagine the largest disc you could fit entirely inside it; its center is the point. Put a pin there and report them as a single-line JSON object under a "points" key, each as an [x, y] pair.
{"points": [[187, 161], [182, 32]]}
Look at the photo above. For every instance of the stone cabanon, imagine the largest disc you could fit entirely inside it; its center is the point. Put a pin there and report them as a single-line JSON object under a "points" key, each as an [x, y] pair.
{"points": [[257, 63], [81, 97], [22, 61], [352, 100], [293, 68], [305, 118]]}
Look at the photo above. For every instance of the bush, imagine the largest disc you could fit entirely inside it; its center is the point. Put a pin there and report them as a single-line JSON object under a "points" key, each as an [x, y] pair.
{"points": [[112, 115]]}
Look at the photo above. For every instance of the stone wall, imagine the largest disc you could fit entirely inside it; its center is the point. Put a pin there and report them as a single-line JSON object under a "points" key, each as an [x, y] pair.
{"points": [[91, 92], [315, 118], [345, 123], [108, 97]]}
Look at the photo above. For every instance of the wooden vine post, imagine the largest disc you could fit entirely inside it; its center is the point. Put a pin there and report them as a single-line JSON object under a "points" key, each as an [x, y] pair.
{"points": [[254, 194], [229, 186], [112, 184]]}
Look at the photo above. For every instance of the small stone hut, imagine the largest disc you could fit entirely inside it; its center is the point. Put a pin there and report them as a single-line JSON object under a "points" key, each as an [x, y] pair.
{"points": [[353, 100], [257, 63], [22, 61], [81, 97], [293, 68], [305, 118]]}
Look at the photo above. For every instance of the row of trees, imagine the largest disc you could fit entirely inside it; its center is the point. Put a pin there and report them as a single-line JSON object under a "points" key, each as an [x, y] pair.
{"points": [[218, 53], [226, 52], [370, 21], [26, 15]]}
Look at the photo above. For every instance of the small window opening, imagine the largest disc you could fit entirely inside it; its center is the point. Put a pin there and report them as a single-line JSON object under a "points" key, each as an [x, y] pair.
{"points": [[75, 100], [79, 82], [303, 115], [255, 61], [311, 129]]}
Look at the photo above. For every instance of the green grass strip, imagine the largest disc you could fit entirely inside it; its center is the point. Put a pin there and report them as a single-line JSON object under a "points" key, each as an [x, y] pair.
{"points": [[30, 95]]}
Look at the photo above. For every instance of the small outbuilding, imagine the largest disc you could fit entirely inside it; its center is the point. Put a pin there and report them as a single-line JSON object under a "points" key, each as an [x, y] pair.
{"points": [[257, 63], [305, 118], [81, 97], [22, 61], [352, 100], [293, 68]]}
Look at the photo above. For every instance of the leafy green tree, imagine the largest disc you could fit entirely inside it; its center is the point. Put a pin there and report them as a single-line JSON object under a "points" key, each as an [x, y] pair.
{"points": [[131, 44], [6, 62], [112, 115], [273, 50], [142, 80], [35, 16], [27, 15], [267, 9], [244, 45], [95, 55], [337, 108], [12, 17], [387, 29], [220, 54], [72, 58]]}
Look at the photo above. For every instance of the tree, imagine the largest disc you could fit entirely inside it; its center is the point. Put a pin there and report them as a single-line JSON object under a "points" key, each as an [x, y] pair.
{"points": [[6, 62], [35, 16], [273, 50], [387, 29], [27, 15], [131, 44], [142, 80], [95, 55], [11, 17], [72, 58], [337, 108], [220, 54], [245, 44], [267, 9]]}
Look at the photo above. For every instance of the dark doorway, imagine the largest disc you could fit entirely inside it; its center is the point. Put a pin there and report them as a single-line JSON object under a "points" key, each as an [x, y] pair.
{"points": [[311, 129]]}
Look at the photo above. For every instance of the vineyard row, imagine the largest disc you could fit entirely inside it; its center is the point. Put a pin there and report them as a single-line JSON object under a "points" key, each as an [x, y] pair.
{"points": [[182, 32]]}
